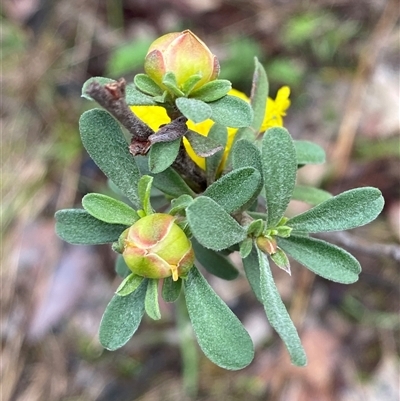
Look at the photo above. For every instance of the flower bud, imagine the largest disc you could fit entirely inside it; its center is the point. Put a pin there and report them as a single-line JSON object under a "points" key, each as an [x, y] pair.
{"points": [[156, 247], [267, 244], [183, 54]]}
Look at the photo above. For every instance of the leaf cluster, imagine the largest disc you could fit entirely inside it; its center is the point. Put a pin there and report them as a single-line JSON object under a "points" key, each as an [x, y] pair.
{"points": [[237, 211]]}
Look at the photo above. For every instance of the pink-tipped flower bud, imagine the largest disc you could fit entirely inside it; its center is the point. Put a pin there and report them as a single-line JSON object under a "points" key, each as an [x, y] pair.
{"points": [[184, 54], [156, 247]]}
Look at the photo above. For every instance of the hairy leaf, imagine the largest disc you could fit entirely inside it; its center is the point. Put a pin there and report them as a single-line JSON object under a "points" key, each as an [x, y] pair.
{"points": [[280, 166], [193, 109], [219, 332], [151, 300], [78, 227], [309, 153], [121, 318], [212, 90], [231, 111], [312, 196], [350, 209], [214, 263], [162, 155], [108, 209], [235, 189], [322, 258], [212, 226], [171, 289], [104, 141]]}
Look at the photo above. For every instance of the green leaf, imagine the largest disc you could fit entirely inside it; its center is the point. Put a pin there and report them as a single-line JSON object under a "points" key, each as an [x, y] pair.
{"points": [[121, 318], [246, 154], [312, 196], [162, 155], [144, 189], [109, 210], [78, 227], [309, 153], [259, 95], [350, 209], [202, 145], [277, 314], [104, 141], [214, 262], [245, 247], [322, 258], [121, 268], [212, 226], [219, 134], [219, 332], [212, 90], [134, 97], [256, 228], [281, 260], [151, 300], [179, 205], [231, 111], [193, 109], [190, 83], [145, 84], [280, 166], [171, 289], [169, 80], [129, 284], [168, 181], [252, 270], [235, 189], [100, 80]]}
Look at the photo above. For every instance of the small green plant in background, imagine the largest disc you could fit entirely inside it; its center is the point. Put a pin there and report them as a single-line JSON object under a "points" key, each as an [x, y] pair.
{"points": [[227, 170]]}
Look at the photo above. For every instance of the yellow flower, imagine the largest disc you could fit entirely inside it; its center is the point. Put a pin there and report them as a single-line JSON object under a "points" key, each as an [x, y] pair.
{"points": [[155, 116]]}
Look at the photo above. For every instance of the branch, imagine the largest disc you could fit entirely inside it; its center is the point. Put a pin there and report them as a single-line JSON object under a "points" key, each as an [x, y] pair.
{"points": [[112, 97]]}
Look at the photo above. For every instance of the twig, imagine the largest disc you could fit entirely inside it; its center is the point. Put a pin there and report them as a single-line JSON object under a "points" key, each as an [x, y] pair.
{"points": [[185, 166], [112, 97], [355, 243], [368, 58]]}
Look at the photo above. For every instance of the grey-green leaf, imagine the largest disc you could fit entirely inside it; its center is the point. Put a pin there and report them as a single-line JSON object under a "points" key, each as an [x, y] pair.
{"points": [[78, 227], [129, 284], [279, 167], [246, 154], [322, 258], [349, 209], [219, 134], [235, 189], [162, 155], [193, 109], [108, 209], [151, 300], [309, 153], [168, 181], [121, 268], [100, 80], [202, 145], [122, 318], [212, 226], [219, 332], [214, 263], [212, 90], [134, 97], [312, 196], [145, 84], [144, 189], [104, 141], [231, 111], [259, 95], [171, 289], [277, 314]]}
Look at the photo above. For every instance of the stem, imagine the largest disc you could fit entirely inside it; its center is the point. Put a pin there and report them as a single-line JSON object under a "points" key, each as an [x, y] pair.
{"points": [[112, 98], [188, 348]]}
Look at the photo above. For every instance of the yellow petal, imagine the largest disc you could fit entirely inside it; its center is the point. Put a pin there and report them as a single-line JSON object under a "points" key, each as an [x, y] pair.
{"points": [[153, 116]]}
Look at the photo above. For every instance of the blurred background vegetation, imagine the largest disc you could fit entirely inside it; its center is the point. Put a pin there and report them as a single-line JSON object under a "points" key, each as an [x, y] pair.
{"points": [[340, 58]]}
